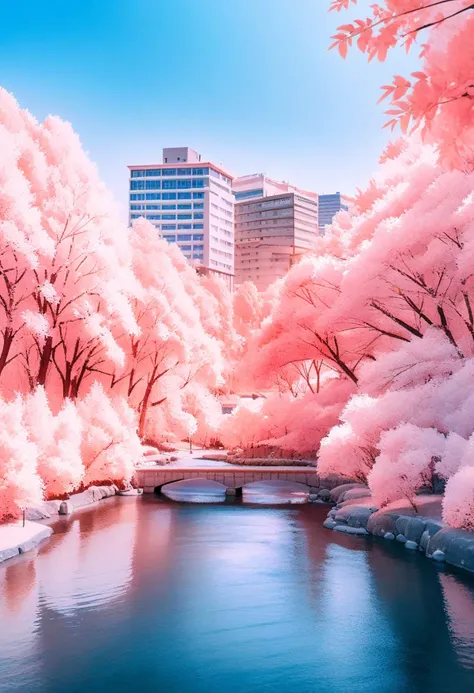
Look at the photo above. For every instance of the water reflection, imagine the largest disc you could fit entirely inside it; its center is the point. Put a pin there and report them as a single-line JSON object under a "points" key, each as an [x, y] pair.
{"points": [[195, 491], [275, 492], [144, 594]]}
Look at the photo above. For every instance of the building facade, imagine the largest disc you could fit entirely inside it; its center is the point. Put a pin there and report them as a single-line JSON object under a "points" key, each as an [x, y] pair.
{"points": [[259, 185], [329, 206], [190, 203], [270, 234]]}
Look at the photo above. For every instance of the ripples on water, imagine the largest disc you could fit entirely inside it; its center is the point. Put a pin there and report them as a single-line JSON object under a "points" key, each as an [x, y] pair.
{"points": [[149, 595]]}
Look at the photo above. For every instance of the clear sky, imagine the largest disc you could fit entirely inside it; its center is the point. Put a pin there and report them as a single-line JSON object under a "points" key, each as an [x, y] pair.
{"points": [[248, 83]]}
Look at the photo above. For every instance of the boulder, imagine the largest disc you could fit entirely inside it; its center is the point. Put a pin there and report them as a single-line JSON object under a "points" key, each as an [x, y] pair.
{"points": [[411, 527], [409, 544], [338, 491], [381, 522], [457, 546], [432, 527], [401, 538], [353, 494], [66, 508], [438, 556], [329, 523], [36, 513], [354, 515], [389, 535], [324, 494], [350, 530]]}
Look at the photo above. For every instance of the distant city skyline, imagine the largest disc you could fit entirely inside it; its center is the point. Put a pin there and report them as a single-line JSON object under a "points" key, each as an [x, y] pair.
{"points": [[250, 85]]}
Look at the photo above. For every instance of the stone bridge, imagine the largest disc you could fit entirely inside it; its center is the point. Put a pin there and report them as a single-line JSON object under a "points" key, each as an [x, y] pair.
{"points": [[153, 478]]}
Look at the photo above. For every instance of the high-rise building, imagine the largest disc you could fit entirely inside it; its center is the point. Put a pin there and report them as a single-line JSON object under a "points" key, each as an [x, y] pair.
{"points": [[271, 232], [329, 206], [275, 223], [190, 203]]}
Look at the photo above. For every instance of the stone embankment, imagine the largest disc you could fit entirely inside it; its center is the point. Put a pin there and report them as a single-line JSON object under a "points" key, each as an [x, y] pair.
{"points": [[418, 530], [16, 537]]}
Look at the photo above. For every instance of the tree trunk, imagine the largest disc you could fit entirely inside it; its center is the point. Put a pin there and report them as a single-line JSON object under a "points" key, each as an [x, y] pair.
{"points": [[7, 342], [45, 360]]}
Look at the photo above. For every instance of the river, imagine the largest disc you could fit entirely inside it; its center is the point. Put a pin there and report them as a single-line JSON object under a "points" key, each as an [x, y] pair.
{"points": [[149, 595]]}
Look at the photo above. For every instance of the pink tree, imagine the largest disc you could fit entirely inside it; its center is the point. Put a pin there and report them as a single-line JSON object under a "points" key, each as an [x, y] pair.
{"points": [[438, 98]]}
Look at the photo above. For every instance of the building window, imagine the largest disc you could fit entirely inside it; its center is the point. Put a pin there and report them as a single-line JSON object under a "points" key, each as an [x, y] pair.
{"points": [[137, 196], [198, 237], [184, 196], [152, 172], [148, 207], [185, 172], [198, 205], [185, 183], [184, 206], [153, 184], [154, 216], [184, 227], [185, 247], [201, 171], [200, 183], [185, 216], [153, 196], [137, 174], [197, 256], [198, 196], [136, 207], [168, 227], [183, 237], [168, 172], [198, 247], [169, 185], [168, 207], [135, 216], [169, 217], [168, 196], [248, 193], [170, 239], [137, 185], [198, 226], [198, 215]]}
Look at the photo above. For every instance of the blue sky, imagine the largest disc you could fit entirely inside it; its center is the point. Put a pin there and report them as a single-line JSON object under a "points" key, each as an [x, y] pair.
{"points": [[248, 83]]}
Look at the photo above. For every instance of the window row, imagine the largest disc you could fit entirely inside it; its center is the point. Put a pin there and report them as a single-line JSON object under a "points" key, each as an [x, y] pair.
{"points": [[169, 184], [158, 172], [182, 227], [134, 197]]}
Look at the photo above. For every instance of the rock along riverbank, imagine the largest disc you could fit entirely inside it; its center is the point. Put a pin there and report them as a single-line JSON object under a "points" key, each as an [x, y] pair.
{"points": [[422, 530], [17, 538]]}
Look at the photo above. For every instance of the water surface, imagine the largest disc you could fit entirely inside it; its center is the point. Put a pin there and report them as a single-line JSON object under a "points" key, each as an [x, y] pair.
{"points": [[149, 595]]}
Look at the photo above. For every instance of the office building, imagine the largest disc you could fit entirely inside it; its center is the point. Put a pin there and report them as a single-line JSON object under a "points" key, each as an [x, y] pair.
{"points": [[329, 206], [275, 223], [270, 234], [190, 203]]}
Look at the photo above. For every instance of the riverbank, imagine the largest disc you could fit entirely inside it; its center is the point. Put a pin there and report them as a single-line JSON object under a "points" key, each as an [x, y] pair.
{"points": [[420, 529]]}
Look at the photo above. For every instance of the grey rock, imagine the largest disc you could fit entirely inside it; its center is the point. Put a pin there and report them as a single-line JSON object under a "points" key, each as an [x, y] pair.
{"points": [[5, 554], [432, 527], [389, 535], [353, 515], [413, 529], [425, 537], [324, 494], [354, 494], [66, 508], [457, 546], [329, 523], [350, 530], [409, 544], [332, 512], [438, 555], [380, 522], [338, 491], [37, 513], [401, 538]]}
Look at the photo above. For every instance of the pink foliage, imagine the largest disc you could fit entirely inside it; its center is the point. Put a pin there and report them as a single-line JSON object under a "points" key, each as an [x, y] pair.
{"points": [[458, 501], [20, 484], [440, 97]]}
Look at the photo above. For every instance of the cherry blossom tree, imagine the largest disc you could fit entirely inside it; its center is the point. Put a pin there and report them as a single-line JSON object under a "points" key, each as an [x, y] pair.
{"points": [[439, 98]]}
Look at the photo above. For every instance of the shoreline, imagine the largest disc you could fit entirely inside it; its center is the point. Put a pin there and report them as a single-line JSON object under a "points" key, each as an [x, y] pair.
{"points": [[424, 531]]}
